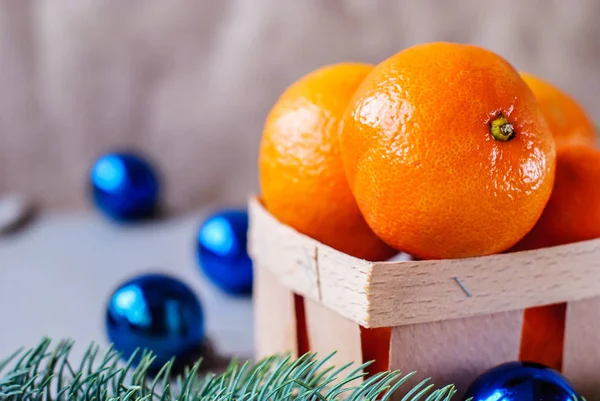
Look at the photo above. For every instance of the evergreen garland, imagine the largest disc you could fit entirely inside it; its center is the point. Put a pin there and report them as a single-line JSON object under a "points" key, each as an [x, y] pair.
{"points": [[44, 373]]}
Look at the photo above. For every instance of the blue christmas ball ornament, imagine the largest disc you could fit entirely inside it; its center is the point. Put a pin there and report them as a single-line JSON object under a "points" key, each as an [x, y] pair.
{"points": [[124, 186], [158, 313], [521, 381], [221, 251]]}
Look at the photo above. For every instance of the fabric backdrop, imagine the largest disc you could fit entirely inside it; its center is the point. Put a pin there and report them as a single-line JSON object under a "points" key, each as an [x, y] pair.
{"points": [[189, 83]]}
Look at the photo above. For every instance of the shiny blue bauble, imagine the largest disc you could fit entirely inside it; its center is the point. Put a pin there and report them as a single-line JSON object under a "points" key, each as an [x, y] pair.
{"points": [[158, 313], [221, 247], [124, 186], [521, 381]]}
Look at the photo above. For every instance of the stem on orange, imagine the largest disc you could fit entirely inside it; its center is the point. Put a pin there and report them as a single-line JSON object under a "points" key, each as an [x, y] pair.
{"points": [[501, 129]]}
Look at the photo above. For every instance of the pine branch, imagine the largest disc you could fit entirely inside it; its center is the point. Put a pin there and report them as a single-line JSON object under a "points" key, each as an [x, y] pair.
{"points": [[44, 373]]}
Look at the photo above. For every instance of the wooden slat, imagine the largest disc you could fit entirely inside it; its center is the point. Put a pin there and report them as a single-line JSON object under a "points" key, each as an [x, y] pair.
{"points": [[329, 332], [274, 316], [288, 254], [581, 358], [456, 351], [400, 293], [427, 291]]}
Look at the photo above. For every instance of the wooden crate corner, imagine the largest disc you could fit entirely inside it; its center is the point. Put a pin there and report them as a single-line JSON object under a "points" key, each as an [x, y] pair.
{"points": [[448, 319]]}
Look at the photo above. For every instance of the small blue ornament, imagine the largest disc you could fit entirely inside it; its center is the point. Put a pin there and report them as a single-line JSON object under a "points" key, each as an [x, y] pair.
{"points": [[124, 186], [221, 251], [157, 313], [521, 381]]}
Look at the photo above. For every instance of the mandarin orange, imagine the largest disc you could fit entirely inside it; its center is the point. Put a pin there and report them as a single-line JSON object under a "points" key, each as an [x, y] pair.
{"points": [[447, 152], [543, 334], [566, 118], [302, 179], [573, 211], [571, 215]]}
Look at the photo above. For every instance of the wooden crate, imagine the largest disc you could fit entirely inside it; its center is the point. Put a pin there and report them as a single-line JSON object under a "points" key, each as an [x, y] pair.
{"points": [[414, 315]]}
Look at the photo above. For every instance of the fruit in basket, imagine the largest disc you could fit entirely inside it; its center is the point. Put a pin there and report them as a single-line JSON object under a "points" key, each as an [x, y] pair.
{"points": [[572, 213], [567, 120], [447, 152], [302, 179], [543, 335]]}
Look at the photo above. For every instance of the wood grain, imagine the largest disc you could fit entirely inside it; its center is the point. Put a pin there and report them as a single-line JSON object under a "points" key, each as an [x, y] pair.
{"points": [[427, 290], [329, 332], [456, 351], [309, 267], [386, 294], [291, 256], [581, 358], [274, 316]]}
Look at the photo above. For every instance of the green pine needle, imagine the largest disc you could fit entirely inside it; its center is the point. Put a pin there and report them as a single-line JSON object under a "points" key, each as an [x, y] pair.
{"points": [[44, 373]]}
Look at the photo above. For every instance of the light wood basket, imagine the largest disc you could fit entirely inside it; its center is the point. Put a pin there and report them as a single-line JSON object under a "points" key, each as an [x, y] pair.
{"points": [[309, 296]]}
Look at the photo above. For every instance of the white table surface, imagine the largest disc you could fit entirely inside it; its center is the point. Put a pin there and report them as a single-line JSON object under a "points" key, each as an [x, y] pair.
{"points": [[57, 273]]}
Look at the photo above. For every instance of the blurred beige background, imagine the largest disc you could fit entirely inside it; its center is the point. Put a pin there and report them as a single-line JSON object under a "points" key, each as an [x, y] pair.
{"points": [[190, 82]]}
